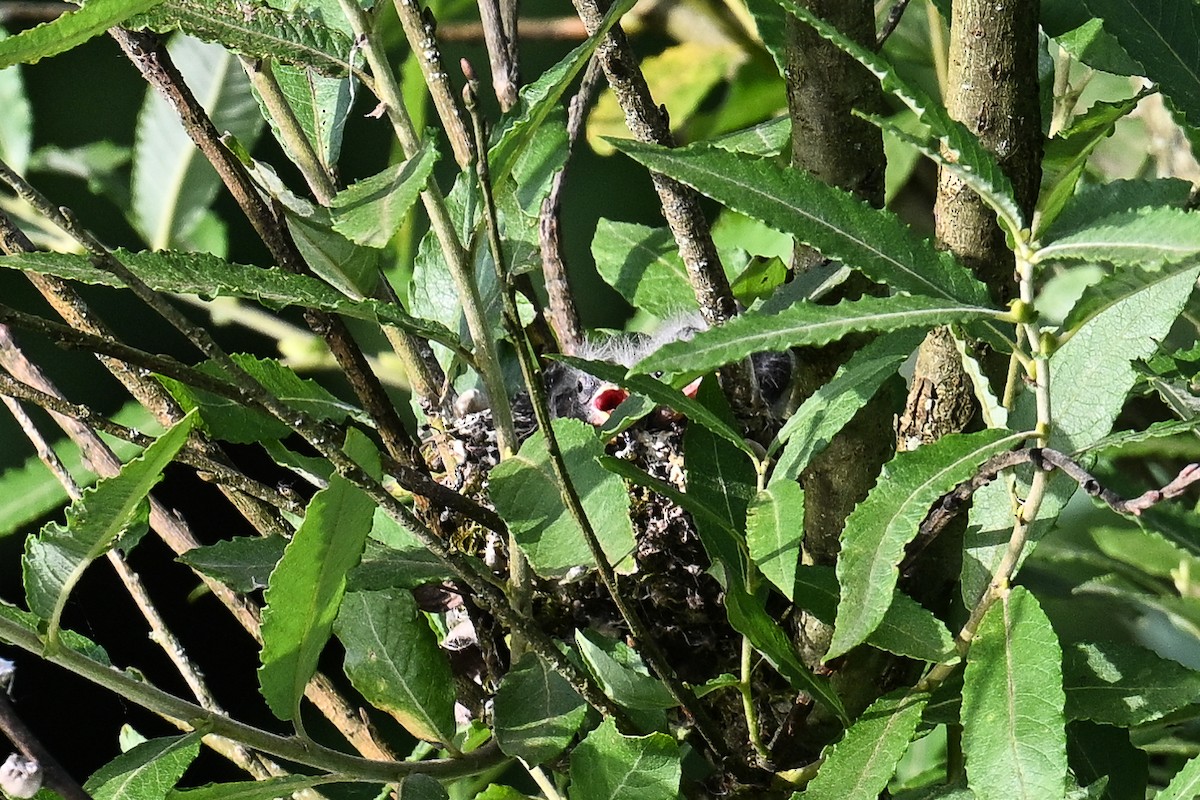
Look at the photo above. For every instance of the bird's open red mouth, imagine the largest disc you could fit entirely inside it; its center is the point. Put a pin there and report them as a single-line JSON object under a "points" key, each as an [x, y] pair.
{"points": [[608, 399]]}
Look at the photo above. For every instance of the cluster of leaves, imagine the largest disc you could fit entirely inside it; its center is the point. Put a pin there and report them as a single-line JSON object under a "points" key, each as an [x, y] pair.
{"points": [[1041, 703]]}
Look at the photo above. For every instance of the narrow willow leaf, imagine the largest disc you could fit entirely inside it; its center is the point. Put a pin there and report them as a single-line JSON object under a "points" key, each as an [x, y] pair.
{"points": [[839, 225], [537, 712], [721, 542], [908, 629], [1186, 783], [749, 618], [266, 789], [610, 766], [16, 123], [393, 660], [69, 30], [957, 149], [151, 769], [1124, 284], [860, 765], [721, 475], [321, 105], [764, 139], [56, 558], [256, 30], [829, 408], [621, 674], [644, 266], [527, 495], [1124, 685], [804, 324], [1091, 203], [1067, 154], [1012, 709], [879, 528], [208, 276], [1145, 236], [539, 98], [370, 211], [1090, 377], [172, 183], [306, 588], [243, 564], [774, 531], [1157, 430], [663, 395], [1161, 35], [232, 421]]}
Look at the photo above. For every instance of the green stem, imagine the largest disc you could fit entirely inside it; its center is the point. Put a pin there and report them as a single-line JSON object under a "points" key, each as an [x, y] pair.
{"points": [[195, 717]]}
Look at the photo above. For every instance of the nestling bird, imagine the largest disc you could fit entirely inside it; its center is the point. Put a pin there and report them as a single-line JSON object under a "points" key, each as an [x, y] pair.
{"points": [[579, 395]]}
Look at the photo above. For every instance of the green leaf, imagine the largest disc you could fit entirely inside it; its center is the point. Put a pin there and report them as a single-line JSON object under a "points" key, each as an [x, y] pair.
{"points": [[527, 495], [1146, 236], [1067, 154], [173, 185], [643, 264], [1100, 752], [829, 408], [267, 789], [306, 588], [774, 531], [1124, 685], [256, 30], [1012, 709], [393, 660], [621, 674], [370, 211], [804, 324], [663, 395], [764, 139], [1157, 430], [243, 563], [539, 98], [723, 477], [537, 712], [839, 225], [69, 30], [1185, 785], [860, 765], [908, 628], [1091, 203], [879, 528], [232, 421], [1161, 35], [1124, 284], [55, 560], [151, 769], [31, 491], [16, 124], [749, 618], [721, 542], [321, 105], [609, 766], [951, 145], [208, 276]]}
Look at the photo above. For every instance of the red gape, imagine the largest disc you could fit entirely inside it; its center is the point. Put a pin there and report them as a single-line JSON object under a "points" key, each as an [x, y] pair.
{"points": [[607, 400]]}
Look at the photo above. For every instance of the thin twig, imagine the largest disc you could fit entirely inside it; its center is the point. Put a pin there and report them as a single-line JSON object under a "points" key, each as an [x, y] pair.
{"points": [[895, 13], [499, 34], [554, 28], [420, 29], [564, 313], [55, 777]]}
